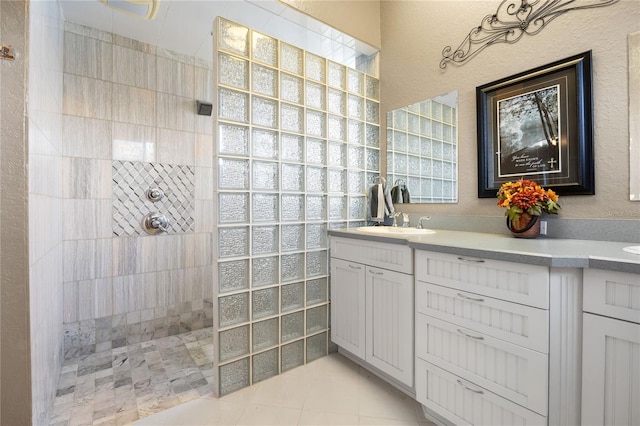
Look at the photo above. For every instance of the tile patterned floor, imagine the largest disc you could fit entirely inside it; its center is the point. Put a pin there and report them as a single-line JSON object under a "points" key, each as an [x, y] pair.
{"points": [[118, 386]]}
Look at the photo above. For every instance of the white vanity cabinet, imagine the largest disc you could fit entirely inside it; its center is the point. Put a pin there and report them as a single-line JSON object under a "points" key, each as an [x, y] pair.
{"points": [[372, 301], [492, 340], [611, 348]]}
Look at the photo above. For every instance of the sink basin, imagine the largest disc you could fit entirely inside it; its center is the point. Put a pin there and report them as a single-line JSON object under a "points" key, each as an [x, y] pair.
{"points": [[390, 230], [632, 249]]}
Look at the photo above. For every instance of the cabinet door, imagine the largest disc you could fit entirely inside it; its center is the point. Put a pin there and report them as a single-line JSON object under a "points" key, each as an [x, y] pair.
{"points": [[610, 372], [348, 306], [390, 323]]}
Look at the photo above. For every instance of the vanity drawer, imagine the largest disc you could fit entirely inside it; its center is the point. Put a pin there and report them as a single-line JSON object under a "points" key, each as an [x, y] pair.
{"points": [[612, 294], [464, 403], [518, 324], [395, 257], [511, 371], [513, 282]]}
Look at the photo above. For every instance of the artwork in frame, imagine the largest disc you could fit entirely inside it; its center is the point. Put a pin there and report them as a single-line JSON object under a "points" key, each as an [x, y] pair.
{"points": [[538, 125]]}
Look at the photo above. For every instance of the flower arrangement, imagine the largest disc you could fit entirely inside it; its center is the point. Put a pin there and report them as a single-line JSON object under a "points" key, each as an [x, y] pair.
{"points": [[526, 196]]}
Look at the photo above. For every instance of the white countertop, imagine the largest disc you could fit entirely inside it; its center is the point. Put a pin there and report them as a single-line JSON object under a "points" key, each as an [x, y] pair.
{"points": [[561, 253]]}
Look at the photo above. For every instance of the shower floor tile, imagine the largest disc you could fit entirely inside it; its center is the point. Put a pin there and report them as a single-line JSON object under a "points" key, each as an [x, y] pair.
{"points": [[118, 386]]}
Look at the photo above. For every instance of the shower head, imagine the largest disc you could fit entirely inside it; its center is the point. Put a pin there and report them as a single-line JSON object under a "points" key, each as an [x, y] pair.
{"points": [[143, 8]]}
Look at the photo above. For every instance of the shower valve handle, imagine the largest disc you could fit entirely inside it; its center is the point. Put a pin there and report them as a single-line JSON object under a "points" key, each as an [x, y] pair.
{"points": [[155, 223]]}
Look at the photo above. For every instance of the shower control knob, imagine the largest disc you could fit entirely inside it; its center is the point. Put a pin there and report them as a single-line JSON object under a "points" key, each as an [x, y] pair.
{"points": [[155, 223], [154, 194]]}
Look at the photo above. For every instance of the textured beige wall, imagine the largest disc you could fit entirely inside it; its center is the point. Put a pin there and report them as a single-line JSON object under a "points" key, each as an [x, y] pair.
{"points": [[413, 36], [358, 18]]}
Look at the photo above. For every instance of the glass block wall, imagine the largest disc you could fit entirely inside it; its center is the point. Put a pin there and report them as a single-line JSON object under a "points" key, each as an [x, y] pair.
{"points": [[297, 143], [422, 151]]}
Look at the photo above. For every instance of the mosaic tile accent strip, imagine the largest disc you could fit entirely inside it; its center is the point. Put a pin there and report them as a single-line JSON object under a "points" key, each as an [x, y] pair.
{"points": [[131, 180], [120, 385]]}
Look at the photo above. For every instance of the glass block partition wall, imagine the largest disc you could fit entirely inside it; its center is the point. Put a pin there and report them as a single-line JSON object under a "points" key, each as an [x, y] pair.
{"points": [[297, 143], [422, 151]]}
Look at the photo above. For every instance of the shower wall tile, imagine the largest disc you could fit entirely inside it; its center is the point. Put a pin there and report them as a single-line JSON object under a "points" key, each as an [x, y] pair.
{"points": [[85, 219], [95, 60], [86, 97], [85, 178], [203, 83], [87, 259], [204, 150], [134, 255], [204, 216], [134, 105], [131, 142], [175, 112], [204, 183], [130, 43], [86, 137], [175, 147], [134, 67], [174, 77], [72, 27]]}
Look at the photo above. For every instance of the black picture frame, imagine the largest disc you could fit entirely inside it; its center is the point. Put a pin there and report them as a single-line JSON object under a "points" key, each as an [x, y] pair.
{"points": [[538, 125]]}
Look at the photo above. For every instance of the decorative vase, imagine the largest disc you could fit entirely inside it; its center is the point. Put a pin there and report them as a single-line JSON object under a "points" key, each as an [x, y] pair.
{"points": [[527, 226]]}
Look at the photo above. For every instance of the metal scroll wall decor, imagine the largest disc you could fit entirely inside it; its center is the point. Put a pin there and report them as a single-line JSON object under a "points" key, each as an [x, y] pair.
{"points": [[512, 20]]}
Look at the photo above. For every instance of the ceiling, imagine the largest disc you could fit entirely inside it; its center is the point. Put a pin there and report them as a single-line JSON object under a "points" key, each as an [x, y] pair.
{"points": [[185, 26]]}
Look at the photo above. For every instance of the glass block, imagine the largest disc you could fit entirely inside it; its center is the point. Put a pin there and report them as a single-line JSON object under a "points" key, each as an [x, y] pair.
{"points": [[264, 303], [233, 309], [316, 235], [336, 74], [265, 365], [357, 208], [316, 123], [292, 296], [425, 108], [447, 114], [437, 188], [290, 58], [316, 346], [315, 67], [233, 275], [399, 142], [291, 118], [292, 207], [436, 111], [424, 187], [291, 147], [338, 225], [413, 144], [234, 376], [264, 143], [447, 133], [316, 319], [317, 291], [436, 149], [316, 263], [373, 159], [425, 127], [356, 132], [355, 81], [316, 207], [314, 95], [264, 80], [265, 175], [356, 157], [234, 342], [372, 135], [233, 242], [436, 130], [264, 239], [233, 71], [233, 140], [292, 177], [292, 237], [437, 169], [292, 326], [373, 112], [291, 88], [233, 208], [233, 105], [413, 123], [356, 107], [264, 271], [316, 179], [425, 147], [233, 37], [426, 168], [447, 170], [373, 87], [356, 182], [316, 151], [265, 49], [448, 152], [292, 355], [337, 154], [337, 207], [265, 112], [265, 207], [399, 163], [336, 101], [413, 165], [337, 128], [292, 266]]}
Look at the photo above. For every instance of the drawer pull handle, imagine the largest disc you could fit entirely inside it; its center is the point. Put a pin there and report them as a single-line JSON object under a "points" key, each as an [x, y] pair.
{"points": [[468, 388], [469, 335], [464, 259], [375, 272], [473, 299], [355, 267]]}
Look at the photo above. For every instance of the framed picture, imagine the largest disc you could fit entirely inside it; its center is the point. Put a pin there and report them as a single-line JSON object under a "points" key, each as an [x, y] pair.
{"points": [[538, 125]]}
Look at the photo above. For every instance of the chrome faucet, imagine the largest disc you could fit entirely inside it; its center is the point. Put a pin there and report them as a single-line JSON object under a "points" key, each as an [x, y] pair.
{"points": [[405, 219], [419, 225]]}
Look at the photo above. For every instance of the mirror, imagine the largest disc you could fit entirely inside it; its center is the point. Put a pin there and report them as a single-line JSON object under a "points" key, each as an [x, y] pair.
{"points": [[422, 150], [634, 116]]}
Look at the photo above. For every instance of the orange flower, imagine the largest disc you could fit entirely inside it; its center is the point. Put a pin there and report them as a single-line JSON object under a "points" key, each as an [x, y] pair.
{"points": [[526, 196]]}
